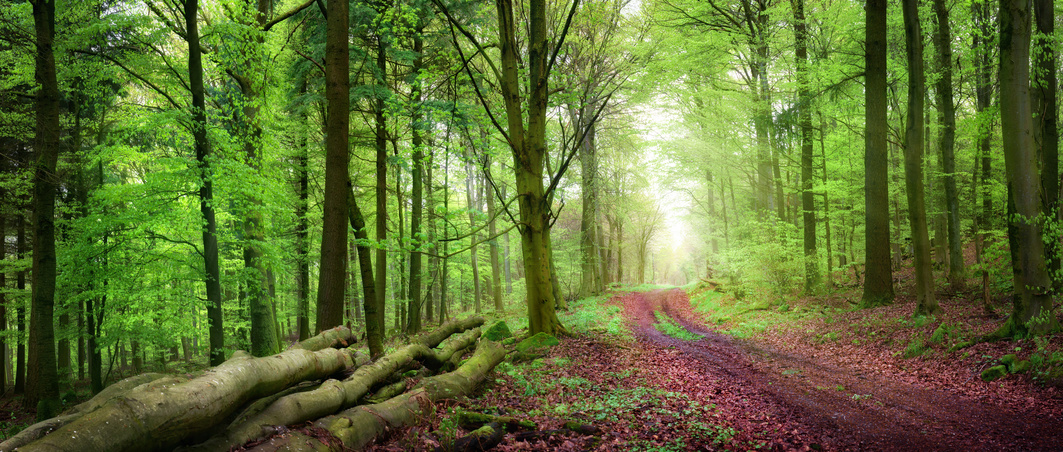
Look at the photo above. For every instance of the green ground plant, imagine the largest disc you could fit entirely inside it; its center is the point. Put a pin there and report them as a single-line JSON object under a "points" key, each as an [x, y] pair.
{"points": [[668, 327]]}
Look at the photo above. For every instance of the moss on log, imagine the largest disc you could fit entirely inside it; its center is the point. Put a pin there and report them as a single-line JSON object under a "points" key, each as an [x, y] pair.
{"points": [[333, 395], [166, 413], [358, 426]]}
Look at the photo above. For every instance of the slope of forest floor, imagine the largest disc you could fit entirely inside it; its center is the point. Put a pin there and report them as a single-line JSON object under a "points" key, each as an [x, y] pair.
{"points": [[669, 370], [651, 370]]}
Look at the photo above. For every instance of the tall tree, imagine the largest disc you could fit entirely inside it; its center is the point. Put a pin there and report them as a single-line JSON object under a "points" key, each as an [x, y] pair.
{"points": [[42, 388], [413, 325], [878, 277], [1032, 306], [249, 74], [380, 134], [804, 105], [1046, 110], [947, 143], [212, 266], [913, 161], [331, 287]]}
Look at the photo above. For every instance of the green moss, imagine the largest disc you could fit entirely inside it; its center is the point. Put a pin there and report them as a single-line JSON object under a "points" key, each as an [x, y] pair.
{"points": [[1008, 359], [915, 348], [994, 373], [498, 332], [1020, 367], [539, 340]]}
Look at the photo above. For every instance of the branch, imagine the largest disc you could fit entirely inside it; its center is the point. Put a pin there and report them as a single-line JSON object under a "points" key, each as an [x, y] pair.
{"points": [[135, 75], [288, 14]]}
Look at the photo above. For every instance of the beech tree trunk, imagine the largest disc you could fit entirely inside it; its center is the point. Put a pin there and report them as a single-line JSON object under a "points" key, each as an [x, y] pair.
{"points": [[878, 279], [168, 411], [333, 271], [913, 162], [374, 316], [358, 426], [808, 202], [335, 395], [42, 386], [529, 149], [947, 122], [1030, 268]]}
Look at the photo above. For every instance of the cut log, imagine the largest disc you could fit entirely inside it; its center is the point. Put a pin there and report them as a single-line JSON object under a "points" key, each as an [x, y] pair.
{"points": [[164, 413], [333, 395], [359, 426]]}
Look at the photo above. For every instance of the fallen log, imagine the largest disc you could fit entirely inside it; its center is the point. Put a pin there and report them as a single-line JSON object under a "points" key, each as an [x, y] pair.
{"points": [[164, 413], [36, 431], [333, 395], [357, 427]]}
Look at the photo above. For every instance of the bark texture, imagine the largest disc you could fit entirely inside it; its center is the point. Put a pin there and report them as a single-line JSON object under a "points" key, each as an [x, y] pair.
{"points": [[1032, 281], [358, 426], [335, 395], [913, 162], [165, 413], [878, 277]]}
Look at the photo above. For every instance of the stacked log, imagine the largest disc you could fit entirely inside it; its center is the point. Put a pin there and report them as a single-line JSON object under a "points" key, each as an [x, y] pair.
{"points": [[247, 399]]}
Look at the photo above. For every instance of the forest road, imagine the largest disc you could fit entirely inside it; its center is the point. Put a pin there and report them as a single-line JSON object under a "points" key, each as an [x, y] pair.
{"points": [[804, 403]]}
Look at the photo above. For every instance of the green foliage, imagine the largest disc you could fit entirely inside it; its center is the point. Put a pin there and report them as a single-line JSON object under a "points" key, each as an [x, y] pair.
{"points": [[668, 327], [917, 347], [597, 315]]}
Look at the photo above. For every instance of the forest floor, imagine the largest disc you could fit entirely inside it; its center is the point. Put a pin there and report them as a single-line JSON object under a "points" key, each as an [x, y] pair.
{"points": [[648, 371]]}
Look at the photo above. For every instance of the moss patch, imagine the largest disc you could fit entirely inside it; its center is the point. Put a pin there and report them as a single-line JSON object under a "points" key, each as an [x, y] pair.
{"points": [[994, 373], [498, 332]]}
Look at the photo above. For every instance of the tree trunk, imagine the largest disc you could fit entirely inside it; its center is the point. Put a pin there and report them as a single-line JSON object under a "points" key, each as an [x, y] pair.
{"points": [[3, 296], [206, 189], [529, 149], [302, 233], [926, 304], [1047, 119], [1032, 306], [335, 395], [492, 230], [590, 276], [473, 203], [333, 270], [374, 316], [42, 388], [264, 337], [878, 280], [804, 101], [413, 326], [947, 124], [358, 426], [172, 410], [380, 133]]}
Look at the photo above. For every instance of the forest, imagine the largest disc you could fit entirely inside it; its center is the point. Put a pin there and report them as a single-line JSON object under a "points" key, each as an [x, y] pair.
{"points": [[464, 225]]}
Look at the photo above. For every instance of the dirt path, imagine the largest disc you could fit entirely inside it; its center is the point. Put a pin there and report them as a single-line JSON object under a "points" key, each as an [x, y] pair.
{"points": [[797, 402]]}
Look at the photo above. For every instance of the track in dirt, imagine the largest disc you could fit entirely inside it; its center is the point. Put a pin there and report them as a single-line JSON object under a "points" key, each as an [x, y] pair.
{"points": [[798, 402]]}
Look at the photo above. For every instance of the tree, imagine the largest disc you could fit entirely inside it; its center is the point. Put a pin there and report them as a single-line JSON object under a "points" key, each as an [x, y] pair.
{"points": [[878, 277], [1032, 306], [913, 162], [946, 145], [331, 282], [42, 389], [804, 105], [1046, 110]]}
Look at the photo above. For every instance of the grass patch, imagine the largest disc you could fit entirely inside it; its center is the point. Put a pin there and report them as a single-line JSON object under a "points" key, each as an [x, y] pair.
{"points": [[668, 327], [594, 314], [743, 318]]}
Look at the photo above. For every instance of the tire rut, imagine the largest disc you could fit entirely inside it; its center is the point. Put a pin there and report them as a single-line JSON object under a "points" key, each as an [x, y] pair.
{"points": [[842, 408]]}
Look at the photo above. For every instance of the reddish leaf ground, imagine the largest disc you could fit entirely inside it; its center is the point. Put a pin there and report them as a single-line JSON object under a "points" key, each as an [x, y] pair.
{"points": [[779, 392]]}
